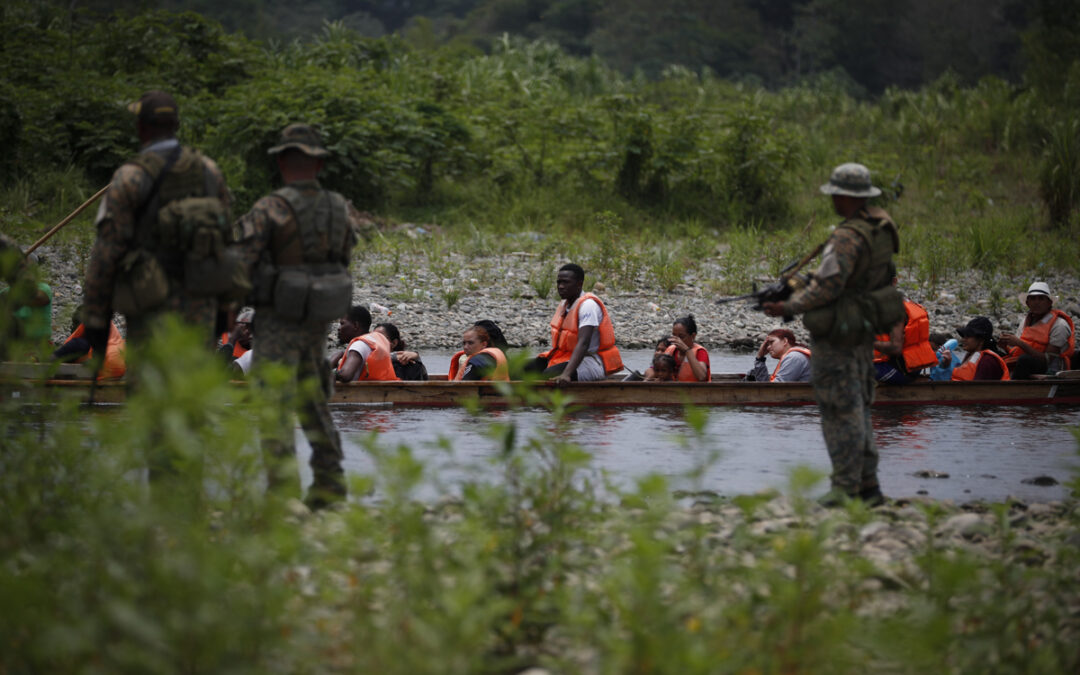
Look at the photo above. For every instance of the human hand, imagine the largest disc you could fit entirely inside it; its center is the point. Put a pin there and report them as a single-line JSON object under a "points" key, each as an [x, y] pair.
{"points": [[99, 343], [562, 379], [1009, 340], [678, 344], [405, 358], [763, 349], [773, 308]]}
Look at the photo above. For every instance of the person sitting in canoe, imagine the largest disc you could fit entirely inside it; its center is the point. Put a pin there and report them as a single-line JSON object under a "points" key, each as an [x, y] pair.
{"points": [[902, 354], [793, 359], [76, 349], [691, 359], [663, 368], [948, 353], [367, 356], [235, 343], [1046, 339], [582, 336], [981, 359], [478, 359], [407, 364]]}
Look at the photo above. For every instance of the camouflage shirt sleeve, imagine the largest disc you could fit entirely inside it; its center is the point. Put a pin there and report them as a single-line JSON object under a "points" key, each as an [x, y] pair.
{"points": [[115, 225], [256, 227], [222, 191], [837, 263]]}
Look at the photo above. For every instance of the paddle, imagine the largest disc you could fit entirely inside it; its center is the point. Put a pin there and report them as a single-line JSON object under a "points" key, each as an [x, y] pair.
{"points": [[65, 221]]}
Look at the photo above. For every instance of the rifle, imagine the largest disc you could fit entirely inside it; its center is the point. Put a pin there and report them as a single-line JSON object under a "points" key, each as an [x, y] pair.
{"points": [[790, 281]]}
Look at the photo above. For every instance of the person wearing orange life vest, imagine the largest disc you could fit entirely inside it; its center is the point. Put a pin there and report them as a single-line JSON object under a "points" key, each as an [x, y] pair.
{"points": [[1047, 336], [582, 336], [76, 349], [691, 359], [905, 351], [367, 355], [478, 358], [981, 360], [237, 342], [793, 359]]}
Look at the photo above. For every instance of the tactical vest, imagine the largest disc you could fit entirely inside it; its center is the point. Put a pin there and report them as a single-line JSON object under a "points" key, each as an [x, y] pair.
{"points": [[869, 303], [309, 280], [182, 237]]}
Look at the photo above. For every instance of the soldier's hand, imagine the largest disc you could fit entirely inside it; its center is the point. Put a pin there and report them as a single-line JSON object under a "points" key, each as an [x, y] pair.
{"points": [[99, 343], [773, 308]]}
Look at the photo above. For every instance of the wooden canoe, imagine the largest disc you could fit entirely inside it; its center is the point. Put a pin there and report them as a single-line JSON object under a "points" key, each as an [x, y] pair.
{"points": [[723, 390]]}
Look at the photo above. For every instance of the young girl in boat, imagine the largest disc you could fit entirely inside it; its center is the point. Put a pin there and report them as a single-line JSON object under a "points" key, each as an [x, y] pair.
{"points": [[981, 361], [478, 359]]}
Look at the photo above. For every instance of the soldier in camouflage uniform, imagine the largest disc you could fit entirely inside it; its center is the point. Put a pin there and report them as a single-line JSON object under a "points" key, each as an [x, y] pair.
{"points": [[856, 260], [162, 172], [298, 227]]}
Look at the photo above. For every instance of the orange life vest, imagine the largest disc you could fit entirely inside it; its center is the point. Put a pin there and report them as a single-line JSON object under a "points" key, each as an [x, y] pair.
{"points": [[237, 350], [917, 352], [1038, 336], [500, 372], [801, 350], [564, 334], [966, 370], [686, 373], [379, 364], [115, 365]]}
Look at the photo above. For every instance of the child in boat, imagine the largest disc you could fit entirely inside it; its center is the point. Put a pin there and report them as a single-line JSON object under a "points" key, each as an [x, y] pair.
{"points": [[948, 354], [407, 364], [663, 368]]}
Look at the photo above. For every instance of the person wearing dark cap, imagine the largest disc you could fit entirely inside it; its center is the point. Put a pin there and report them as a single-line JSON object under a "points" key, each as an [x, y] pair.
{"points": [[143, 263], [849, 299], [298, 241], [1047, 336], [981, 360]]}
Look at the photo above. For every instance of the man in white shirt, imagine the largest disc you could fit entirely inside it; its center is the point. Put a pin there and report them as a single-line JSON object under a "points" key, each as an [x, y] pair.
{"points": [[1045, 338]]}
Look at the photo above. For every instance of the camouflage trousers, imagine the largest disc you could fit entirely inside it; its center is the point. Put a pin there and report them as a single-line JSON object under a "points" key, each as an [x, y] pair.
{"points": [[298, 352], [843, 381], [198, 312]]}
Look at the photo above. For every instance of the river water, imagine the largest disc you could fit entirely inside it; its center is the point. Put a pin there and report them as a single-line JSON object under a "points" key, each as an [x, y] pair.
{"points": [[987, 452]]}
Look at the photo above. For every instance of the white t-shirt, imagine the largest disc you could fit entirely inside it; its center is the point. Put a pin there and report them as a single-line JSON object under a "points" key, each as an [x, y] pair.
{"points": [[244, 361], [591, 367]]}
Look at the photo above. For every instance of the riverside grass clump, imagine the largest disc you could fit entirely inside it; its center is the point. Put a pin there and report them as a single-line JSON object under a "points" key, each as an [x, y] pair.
{"points": [[543, 563], [488, 150]]}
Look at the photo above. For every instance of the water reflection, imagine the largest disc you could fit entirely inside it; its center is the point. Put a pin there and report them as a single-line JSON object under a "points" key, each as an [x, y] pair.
{"points": [[985, 451]]}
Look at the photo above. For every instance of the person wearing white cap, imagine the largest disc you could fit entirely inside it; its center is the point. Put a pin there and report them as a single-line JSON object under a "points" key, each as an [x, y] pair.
{"points": [[1046, 339]]}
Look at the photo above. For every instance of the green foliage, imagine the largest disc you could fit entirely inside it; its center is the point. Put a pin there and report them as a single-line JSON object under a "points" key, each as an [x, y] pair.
{"points": [[1059, 172]]}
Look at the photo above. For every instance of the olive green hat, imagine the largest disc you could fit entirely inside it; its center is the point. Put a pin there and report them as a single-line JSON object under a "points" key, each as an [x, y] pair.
{"points": [[302, 137], [156, 107], [850, 179]]}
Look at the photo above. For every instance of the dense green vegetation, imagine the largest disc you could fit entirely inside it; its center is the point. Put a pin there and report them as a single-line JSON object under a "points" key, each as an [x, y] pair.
{"points": [[541, 563], [527, 138]]}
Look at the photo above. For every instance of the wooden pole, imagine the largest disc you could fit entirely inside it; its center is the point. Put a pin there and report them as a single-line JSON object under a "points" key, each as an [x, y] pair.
{"points": [[67, 220]]}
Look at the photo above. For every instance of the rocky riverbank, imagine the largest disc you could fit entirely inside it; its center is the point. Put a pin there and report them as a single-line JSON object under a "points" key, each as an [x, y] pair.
{"points": [[412, 291]]}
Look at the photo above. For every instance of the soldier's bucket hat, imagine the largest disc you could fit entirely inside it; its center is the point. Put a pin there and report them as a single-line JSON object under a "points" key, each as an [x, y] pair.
{"points": [[302, 137], [850, 179], [1038, 288], [156, 107]]}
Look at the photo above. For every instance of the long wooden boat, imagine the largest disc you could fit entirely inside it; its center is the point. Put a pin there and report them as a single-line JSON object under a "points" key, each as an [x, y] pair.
{"points": [[723, 390]]}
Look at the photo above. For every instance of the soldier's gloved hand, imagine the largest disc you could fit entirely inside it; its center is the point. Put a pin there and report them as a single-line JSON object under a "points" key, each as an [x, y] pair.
{"points": [[99, 342]]}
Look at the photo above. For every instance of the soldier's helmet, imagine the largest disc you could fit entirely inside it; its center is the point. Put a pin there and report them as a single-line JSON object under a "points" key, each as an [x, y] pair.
{"points": [[302, 137], [850, 179]]}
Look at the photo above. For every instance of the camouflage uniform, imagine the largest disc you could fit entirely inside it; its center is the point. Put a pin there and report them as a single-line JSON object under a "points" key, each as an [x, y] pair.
{"points": [[299, 347], [116, 235], [842, 374]]}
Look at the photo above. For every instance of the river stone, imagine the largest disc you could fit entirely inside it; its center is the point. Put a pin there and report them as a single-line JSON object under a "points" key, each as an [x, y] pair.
{"points": [[930, 473], [966, 525], [871, 530], [1041, 481]]}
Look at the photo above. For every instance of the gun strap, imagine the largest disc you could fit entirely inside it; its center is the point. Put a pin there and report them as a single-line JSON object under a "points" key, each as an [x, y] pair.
{"points": [[141, 211]]}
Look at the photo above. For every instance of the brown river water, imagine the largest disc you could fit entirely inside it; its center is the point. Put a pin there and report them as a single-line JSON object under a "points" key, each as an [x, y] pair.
{"points": [[986, 452]]}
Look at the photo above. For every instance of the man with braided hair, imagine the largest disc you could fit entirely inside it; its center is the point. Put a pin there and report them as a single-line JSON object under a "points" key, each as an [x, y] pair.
{"points": [[847, 301], [298, 241]]}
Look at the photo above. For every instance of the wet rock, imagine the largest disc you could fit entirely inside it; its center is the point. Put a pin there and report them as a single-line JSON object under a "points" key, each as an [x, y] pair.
{"points": [[966, 525], [930, 473], [1041, 481]]}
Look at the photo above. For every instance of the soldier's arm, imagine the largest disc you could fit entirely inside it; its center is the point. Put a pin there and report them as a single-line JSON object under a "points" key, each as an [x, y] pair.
{"points": [[255, 228], [837, 264], [115, 236]]}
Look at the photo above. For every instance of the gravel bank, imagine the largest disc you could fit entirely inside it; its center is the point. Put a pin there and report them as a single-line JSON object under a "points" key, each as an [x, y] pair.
{"points": [[413, 289]]}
